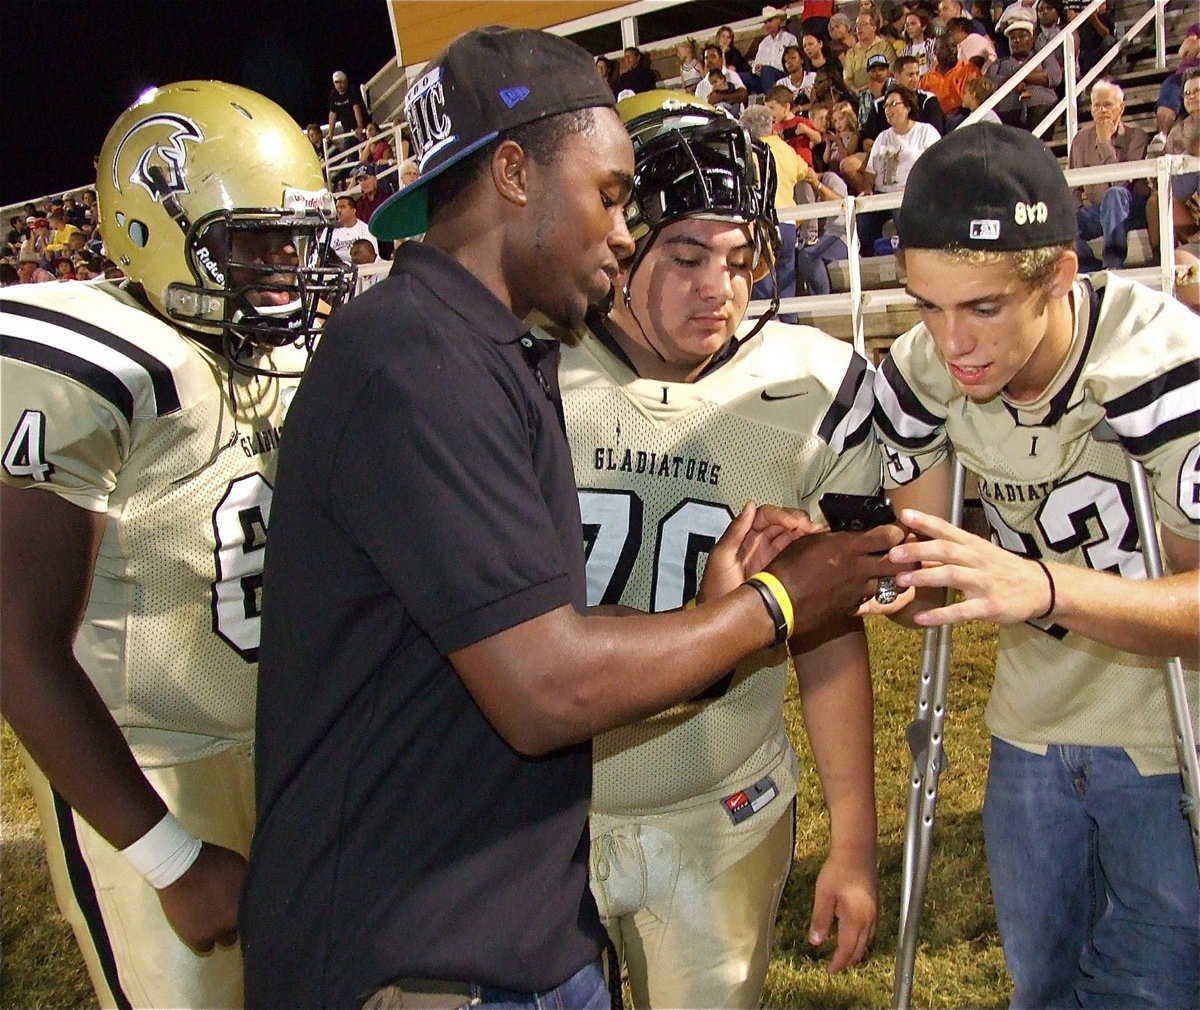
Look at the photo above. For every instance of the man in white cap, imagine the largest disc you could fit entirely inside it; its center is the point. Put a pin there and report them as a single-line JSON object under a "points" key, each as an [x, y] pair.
{"points": [[345, 109], [768, 60], [1034, 96]]}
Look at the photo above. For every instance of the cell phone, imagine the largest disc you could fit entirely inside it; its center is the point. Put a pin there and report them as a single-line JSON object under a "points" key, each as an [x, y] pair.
{"points": [[856, 511]]}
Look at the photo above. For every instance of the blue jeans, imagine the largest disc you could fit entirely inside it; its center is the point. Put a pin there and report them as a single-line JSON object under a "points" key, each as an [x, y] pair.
{"points": [[769, 77], [585, 990], [1170, 94], [785, 271], [1094, 880], [811, 260], [1118, 212], [870, 228]]}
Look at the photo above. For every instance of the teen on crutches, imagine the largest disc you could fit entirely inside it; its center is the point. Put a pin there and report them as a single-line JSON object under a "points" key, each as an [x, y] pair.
{"points": [[925, 735], [1015, 364]]}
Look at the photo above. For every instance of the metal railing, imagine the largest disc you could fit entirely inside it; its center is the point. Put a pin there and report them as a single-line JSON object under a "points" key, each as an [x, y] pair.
{"points": [[338, 160], [1064, 44], [858, 302]]}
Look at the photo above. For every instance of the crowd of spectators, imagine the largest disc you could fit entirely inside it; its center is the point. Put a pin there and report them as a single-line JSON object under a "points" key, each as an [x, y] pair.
{"points": [[856, 96], [55, 240]]}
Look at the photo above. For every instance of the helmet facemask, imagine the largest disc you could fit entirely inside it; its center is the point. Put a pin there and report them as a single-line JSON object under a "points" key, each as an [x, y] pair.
{"points": [[710, 169], [263, 278]]}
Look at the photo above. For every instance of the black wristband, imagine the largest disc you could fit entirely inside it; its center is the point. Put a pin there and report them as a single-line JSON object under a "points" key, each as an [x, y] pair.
{"points": [[773, 608], [1050, 579]]}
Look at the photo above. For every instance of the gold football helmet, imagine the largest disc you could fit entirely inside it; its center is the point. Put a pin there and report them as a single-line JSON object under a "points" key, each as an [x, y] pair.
{"points": [[212, 199]]}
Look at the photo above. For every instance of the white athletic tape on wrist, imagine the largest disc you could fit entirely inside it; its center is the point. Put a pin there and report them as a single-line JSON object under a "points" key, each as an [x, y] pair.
{"points": [[164, 853]]}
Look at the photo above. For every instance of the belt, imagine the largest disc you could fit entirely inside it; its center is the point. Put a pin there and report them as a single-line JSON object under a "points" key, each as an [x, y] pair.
{"points": [[441, 994], [423, 994]]}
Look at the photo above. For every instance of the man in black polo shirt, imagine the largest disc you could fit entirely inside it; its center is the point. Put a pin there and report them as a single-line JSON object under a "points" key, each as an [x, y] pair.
{"points": [[429, 684]]}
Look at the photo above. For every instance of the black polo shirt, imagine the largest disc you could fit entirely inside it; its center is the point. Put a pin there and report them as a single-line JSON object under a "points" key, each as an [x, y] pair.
{"points": [[425, 500]]}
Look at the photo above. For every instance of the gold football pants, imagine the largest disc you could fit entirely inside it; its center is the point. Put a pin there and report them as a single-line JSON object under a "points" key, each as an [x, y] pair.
{"points": [[132, 954], [687, 939]]}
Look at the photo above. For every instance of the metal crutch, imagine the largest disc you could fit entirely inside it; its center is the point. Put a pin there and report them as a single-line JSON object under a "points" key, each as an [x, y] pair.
{"points": [[1181, 715], [924, 735]]}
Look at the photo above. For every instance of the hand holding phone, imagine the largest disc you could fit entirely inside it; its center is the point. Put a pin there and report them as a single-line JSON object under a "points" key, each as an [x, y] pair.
{"points": [[856, 512]]}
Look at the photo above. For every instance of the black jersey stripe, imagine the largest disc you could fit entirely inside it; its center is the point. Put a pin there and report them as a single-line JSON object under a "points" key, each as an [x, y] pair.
{"points": [[166, 395], [908, 404], [1178, 427], [1062, 399], [1170, 420], [843, 401], [1060, 403], [84, 890], [858, 435], [1145, 394], [99, 380]]}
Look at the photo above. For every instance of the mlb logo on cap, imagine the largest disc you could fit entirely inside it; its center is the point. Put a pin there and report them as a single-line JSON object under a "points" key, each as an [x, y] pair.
{"points": [[985, 231]]}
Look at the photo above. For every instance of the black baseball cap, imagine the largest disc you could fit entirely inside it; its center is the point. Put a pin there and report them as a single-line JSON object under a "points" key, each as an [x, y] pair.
{"points": [[877, 60], [986, 186], [486, 82]]}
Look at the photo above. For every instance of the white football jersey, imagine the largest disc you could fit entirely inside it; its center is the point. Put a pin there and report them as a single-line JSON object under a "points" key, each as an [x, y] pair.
{"points": [[1051, 490], [662, 468], [111, 408]]}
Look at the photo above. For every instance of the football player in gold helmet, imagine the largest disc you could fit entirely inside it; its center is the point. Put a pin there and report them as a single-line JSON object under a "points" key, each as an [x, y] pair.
{"points": [[151, 412]]}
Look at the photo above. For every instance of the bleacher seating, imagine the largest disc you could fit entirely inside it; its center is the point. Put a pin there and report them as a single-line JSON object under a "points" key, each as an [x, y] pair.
{"points": [[884, 318], [1134, 69]]}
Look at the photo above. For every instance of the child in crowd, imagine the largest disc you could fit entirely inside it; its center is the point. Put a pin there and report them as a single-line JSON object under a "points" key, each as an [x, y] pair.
{"points": [[976, 91], [691, 70], [797, 130], [720, 86], [818, 115]]}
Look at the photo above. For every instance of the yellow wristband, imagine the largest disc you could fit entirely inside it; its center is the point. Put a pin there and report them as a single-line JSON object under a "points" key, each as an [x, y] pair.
{"points": [[781, 597]]}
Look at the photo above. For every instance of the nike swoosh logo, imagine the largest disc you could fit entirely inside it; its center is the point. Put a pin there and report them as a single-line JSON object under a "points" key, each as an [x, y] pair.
{"points": [[785, 396]]}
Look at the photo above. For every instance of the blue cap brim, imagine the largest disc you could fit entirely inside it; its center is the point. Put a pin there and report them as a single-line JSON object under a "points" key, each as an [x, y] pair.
{"points": [[406, 213]]}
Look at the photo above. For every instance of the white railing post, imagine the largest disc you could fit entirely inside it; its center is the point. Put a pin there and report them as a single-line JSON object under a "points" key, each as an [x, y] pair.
{"points": [[854, 250], [1160, 35], [1166, 226], [629, 33]]}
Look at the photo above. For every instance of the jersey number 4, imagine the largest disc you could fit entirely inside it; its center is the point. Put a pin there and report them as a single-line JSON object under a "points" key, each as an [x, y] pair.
{"points": [[25, 454], [240, 525], [612, 530]]}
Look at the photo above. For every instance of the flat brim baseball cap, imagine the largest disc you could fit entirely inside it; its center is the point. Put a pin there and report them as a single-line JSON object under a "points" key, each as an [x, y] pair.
{"points": [[485, 83], [986, 186]]}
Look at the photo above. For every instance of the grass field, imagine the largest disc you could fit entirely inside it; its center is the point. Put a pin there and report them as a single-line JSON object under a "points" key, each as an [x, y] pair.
{"points": [[959, 963]]}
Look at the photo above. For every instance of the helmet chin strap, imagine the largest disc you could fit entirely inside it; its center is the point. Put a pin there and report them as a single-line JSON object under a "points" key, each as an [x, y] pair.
{"points": [[627, 297]]}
